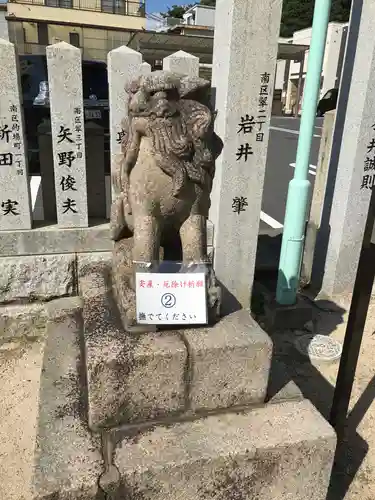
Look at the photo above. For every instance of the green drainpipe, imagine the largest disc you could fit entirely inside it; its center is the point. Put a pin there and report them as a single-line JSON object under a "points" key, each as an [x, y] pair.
{"points": [[299, 186]]}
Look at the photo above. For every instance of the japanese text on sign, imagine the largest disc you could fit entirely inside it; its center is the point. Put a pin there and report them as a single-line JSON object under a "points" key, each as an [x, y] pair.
{"points": [[70, 146], [250, 127], [368, 180], [11, 154], [171, 298]]}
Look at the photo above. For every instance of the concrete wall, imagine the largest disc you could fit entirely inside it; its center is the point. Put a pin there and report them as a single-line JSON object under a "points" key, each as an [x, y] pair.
{"points": [[331, 58], [75, 16]]}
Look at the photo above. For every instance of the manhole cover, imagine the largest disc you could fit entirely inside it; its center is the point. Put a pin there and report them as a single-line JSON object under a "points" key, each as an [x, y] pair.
{"points": [[319, 347]]}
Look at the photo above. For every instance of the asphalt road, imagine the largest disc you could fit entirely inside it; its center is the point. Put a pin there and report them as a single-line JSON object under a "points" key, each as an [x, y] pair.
{"points": [[282, 149]]}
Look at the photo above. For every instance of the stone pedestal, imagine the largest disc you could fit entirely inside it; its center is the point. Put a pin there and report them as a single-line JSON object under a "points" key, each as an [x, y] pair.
{"points": [[175, 372], [181, 413]]}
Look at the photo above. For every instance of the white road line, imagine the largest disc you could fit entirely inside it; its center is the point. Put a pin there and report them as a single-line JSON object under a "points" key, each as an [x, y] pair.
{"points": [[34, 188], [270, 221], [312, 168], [289, 131]]}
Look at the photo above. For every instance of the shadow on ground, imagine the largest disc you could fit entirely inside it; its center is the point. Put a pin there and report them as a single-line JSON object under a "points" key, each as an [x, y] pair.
{"points": [[289, 365]]}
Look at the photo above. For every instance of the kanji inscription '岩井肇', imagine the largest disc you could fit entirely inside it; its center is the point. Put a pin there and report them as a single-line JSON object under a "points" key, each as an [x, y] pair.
{"points": [[251, 127]]}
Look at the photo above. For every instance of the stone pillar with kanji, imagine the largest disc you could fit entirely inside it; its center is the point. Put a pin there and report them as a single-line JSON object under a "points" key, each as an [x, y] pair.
{"points": [[15, 200]]}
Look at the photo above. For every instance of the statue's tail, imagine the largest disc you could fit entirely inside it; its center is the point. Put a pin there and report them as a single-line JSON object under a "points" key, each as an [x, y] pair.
{"points": [[120, 217], [179, 180]]}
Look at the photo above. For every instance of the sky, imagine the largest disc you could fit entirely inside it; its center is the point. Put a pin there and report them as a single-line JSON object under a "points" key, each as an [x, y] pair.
{"points": [[162, 5]]}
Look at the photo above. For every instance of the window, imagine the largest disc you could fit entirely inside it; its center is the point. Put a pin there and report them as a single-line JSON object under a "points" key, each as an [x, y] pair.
{"points": [[64, 4], [74, 39], [42, 34], [108, 6]]}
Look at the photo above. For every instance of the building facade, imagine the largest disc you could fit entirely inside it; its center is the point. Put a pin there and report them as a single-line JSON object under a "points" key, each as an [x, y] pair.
{"points": [[95, 26], [200, 15], [3, 22], [295, 74]]}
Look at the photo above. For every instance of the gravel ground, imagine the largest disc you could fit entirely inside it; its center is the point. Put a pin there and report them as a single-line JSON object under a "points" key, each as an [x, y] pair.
{"points": [[20, 367], [353, 476]]}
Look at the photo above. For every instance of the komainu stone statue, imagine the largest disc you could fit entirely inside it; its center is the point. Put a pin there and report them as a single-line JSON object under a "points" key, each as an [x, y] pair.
{"points": [[163, 183]]}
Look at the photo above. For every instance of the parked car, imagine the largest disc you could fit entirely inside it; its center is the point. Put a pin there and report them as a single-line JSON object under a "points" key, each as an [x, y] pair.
{"points": [[327, 102], [35, 94]]}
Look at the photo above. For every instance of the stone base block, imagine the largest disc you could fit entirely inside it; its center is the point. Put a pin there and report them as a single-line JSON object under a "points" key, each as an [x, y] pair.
{"points": [[136, 378], [68, 458], [276, 452], [229, 363], [130, 377]]}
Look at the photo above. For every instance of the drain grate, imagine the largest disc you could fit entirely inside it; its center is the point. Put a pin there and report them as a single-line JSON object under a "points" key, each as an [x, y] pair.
{"points": [[319, 347]]}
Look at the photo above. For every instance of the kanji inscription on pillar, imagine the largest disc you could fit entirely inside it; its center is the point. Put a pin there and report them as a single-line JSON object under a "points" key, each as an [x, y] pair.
{"points": [[15, 205], [68, 134]]}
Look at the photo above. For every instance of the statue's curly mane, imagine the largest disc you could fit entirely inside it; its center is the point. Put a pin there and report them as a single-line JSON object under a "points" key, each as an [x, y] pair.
{"points": [[185, 144]]}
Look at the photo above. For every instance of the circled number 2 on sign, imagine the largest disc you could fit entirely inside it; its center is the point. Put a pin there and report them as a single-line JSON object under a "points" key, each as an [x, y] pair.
{"points": [[168, 300]]}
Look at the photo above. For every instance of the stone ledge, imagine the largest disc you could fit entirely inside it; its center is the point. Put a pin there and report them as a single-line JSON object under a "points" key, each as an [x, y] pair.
{"points": [[136, 378], [39, 278], [26, 279], [51, 239], [275, 452], [68, 459]]}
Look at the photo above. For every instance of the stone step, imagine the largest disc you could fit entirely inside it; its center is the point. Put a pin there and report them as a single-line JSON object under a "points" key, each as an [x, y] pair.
{"points": [[275, 452], [158, 375], [68, 459]]}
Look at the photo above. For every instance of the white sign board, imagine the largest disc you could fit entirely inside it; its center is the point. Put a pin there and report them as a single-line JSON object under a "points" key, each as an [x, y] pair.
{"points": [[175, 299]]}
